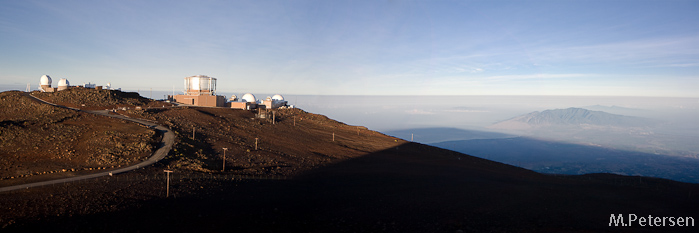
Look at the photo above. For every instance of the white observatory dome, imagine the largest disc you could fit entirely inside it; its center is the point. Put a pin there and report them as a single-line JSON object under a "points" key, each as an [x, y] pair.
{"points": [[278, 97], [249, 98], [45, 80], [63, 83]]}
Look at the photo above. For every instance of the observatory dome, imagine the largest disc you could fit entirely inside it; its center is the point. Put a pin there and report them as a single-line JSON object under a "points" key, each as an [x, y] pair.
{"points": [[45, 81], [63, 83], [278, 97], [249, 98]]}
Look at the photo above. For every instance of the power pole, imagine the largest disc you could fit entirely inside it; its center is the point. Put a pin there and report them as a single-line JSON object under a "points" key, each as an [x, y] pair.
{"points": [[273, 116], [224, 159], [194, 130], [333, 136], [411, 137], [256, 143], [167, 193]]}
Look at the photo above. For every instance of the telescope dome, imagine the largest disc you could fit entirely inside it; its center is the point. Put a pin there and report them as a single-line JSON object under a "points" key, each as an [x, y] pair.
{"points": [[45, 80], [249, 98]]}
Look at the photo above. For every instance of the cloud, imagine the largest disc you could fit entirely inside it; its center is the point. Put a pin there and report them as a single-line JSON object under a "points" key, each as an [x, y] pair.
{"points": [[419, 112], [683, 65], [536, 76], [643, 51], [466, 111]]}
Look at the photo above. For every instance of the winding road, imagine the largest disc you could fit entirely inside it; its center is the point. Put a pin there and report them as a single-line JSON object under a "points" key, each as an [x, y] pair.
{"points": [[162, 151]]}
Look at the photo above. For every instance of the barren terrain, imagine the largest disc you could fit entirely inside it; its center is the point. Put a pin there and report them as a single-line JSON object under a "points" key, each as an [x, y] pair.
{"points": [[303, 172], [39, 141]]}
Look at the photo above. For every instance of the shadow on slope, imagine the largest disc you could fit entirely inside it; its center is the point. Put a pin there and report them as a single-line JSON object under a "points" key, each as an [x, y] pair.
{"points": [[408, 188]]}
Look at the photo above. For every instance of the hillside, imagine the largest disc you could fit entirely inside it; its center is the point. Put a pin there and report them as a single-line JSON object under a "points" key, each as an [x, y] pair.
{"points": [[40, 141], [299, 179], [295, 142], [569, 117], [91, 99]]}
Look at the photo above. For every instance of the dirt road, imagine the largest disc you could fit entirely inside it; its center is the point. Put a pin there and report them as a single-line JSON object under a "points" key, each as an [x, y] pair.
{"points": [[162, 151]]}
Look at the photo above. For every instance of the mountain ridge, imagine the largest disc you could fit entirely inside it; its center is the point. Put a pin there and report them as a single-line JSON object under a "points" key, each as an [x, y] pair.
{"points": [[569, 117]]}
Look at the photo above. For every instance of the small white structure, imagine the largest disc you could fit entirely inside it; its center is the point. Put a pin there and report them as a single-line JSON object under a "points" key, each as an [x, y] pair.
{"points": [[45, 84], [63, 84], [89, 85], [276, 101], [250, 98], [109, 87]]}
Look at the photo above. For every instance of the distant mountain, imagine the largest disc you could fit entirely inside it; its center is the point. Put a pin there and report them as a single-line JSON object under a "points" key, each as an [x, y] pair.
{"points": [[569, 117], [617, 110]]}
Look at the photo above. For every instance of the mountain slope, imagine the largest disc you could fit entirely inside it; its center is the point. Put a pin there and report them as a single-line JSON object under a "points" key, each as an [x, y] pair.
{"points": [[305, 172], [569, 117], [39, 141]]}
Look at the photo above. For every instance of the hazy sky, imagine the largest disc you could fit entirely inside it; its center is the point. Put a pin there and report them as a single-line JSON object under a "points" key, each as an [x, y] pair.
{"points": [[638, 48]]}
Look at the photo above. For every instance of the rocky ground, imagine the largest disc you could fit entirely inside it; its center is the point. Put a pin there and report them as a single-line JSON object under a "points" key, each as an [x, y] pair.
{"points": [[40, 141], [92, 99], [303, 172], [296, 141]]}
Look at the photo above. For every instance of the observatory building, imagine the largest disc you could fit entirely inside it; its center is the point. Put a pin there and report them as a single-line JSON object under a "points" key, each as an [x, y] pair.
{"points": [[200, 90], [63, 84], [45, 84], [275, 101], [247, 102]]}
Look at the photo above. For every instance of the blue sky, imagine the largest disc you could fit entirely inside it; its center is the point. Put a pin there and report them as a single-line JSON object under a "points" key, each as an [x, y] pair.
{"points": [[615, 48]]}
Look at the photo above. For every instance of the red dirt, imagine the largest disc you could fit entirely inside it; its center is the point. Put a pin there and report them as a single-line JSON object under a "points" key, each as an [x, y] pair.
{"points": [[40, 142]]}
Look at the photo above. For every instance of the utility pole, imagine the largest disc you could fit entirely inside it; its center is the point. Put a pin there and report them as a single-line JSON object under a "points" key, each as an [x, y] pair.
{"points": [[333, 136], [256, 143], [167, 193], [194, 130], [411, 137], [273, 116], [224, 159]]}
